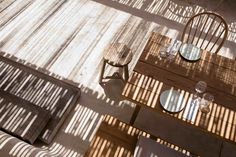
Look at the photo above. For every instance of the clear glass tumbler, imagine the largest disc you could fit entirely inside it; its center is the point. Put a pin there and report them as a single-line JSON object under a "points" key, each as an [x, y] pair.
{"points": [[164, 51], [205, 102]]}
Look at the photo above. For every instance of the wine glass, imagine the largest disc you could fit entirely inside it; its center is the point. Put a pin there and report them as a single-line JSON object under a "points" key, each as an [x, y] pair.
{"points": [[200, 88], [205, 102]]}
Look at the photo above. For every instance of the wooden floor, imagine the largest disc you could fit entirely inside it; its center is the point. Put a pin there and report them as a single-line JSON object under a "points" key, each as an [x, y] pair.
{"points": [[68, 37]]}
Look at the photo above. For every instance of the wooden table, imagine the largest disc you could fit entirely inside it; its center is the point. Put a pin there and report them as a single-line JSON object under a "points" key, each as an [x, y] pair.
{"points": [[152, 76]]}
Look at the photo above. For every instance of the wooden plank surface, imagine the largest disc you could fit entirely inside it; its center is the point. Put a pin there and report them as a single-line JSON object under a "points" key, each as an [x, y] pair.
{"points": [[156, 40], [50, 35], [68, 38], [49, 31]]}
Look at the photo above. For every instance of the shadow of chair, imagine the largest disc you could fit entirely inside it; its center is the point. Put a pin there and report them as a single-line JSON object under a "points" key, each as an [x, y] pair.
{"points": [[206, 30], [113, 89]]}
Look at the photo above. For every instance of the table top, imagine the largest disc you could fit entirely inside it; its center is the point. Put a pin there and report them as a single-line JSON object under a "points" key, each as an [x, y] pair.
{"points": [[152, 76]]}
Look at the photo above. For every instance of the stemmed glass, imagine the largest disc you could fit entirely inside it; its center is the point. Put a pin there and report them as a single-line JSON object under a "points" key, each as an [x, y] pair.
{"points": [[200, 88]]}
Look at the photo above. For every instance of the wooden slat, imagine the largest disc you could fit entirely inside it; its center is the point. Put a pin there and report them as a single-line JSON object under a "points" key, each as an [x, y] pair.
{"points": [[10, 9]]}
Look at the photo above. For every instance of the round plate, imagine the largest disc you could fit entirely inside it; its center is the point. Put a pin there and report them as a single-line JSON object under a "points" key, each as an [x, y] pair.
{"points": [[190, 52], [172, 101]]}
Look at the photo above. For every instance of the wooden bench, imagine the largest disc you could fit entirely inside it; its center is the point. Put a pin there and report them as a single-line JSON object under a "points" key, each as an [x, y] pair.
{"points": [[177, 132], [21, 118], [34, 91], [148, 147], [115, 138]]}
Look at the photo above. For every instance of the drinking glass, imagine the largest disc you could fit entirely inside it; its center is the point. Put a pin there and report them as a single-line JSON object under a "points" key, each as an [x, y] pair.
{"points": [[205, 102], [169, 50], [164, 51], [171, 54], [200, 87]]}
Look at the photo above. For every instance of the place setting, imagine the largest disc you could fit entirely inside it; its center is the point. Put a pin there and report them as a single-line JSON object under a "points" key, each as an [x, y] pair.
{"points": [[188, 52], [174, 101]]}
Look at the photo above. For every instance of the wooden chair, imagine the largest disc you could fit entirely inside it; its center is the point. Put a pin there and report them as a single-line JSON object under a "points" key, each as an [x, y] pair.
{"points": [[206, 30]]}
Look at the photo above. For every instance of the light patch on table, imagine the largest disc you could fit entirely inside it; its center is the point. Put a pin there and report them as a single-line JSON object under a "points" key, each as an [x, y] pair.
{"points": [[191, 110]]}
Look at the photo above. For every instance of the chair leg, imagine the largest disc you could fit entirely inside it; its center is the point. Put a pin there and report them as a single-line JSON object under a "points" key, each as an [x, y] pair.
{"points": [[102, 71], [126, 72]]}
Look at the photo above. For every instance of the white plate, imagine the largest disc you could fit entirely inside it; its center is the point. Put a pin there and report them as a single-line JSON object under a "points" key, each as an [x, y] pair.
{"points": [[172, 101], [190, 52]]}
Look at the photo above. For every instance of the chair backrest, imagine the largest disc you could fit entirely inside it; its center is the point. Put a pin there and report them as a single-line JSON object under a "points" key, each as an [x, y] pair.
{"points": [[206, 30]]}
